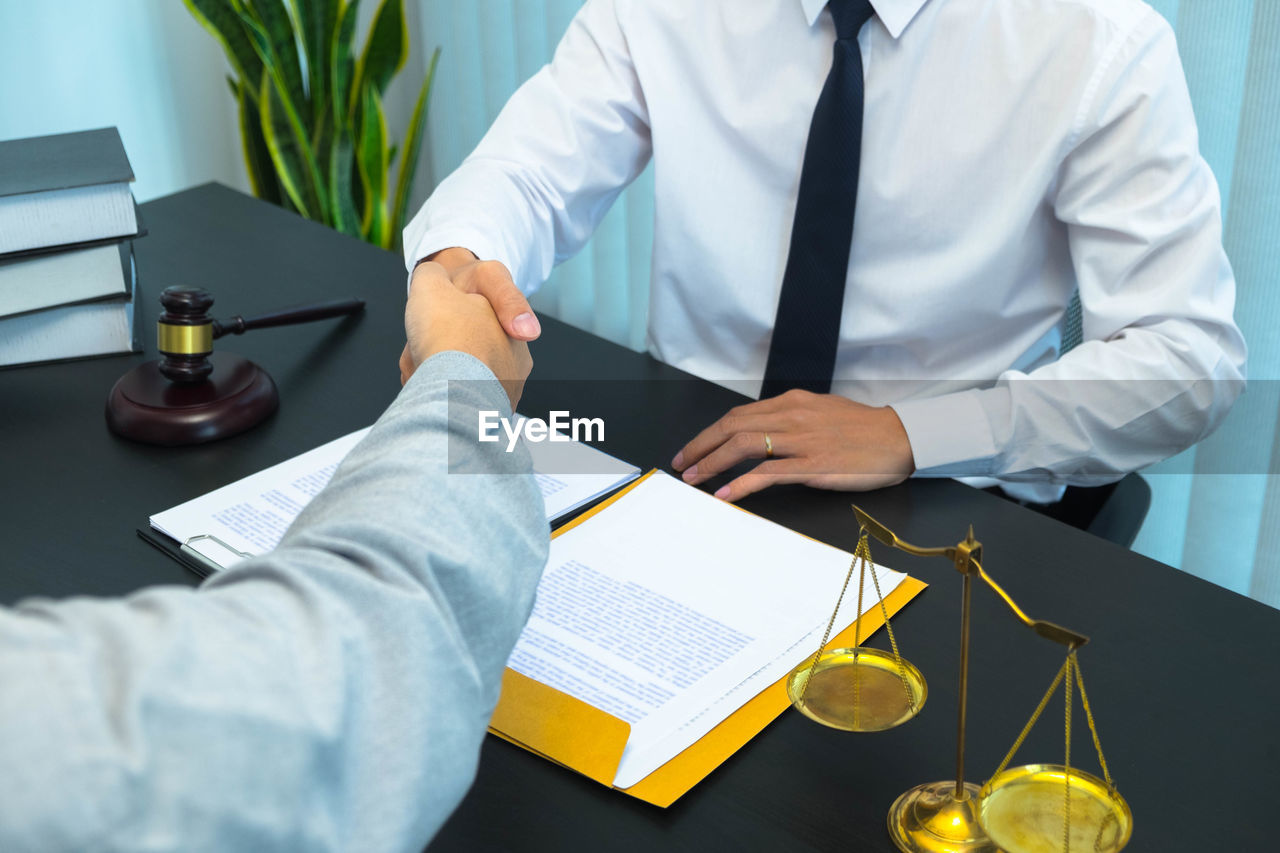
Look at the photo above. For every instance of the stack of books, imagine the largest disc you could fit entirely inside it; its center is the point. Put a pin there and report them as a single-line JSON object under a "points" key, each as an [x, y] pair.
{"points": [[68, 220]]}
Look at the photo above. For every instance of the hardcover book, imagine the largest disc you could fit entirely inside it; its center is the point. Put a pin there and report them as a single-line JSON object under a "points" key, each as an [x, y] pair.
{"points": [[104, 327], [64, 189], [65, 278]]}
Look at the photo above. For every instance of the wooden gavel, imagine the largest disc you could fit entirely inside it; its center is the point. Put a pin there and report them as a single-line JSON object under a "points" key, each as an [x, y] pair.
{"points": [[186, 332], [192, 395]]}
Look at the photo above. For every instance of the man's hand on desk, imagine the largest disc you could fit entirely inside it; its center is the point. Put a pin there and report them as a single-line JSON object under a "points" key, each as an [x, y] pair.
{"points": [[440, 317], [821, 440]]}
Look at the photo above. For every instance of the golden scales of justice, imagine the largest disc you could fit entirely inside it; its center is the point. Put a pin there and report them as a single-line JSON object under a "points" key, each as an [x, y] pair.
{"points": [[1036, 808]]}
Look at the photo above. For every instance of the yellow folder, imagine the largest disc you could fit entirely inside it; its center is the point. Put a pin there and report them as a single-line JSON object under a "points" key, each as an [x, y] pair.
{"points": [[584, 738]]}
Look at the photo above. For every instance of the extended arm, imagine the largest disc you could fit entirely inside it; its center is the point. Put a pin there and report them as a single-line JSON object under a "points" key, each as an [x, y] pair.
{"points": [[531, 194], [330, 695]]}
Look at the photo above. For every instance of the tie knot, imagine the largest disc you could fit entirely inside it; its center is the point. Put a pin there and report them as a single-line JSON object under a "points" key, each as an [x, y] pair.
{"points": [[849, 16]]}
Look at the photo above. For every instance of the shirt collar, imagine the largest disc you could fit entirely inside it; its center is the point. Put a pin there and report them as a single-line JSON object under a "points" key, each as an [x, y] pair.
{"points": [[894, 14]]}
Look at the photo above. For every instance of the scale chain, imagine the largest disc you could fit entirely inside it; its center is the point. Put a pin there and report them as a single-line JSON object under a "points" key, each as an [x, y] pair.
{"points": [[860, 555], [1035, 715], [827, 634], [893, 642], [1093, 729], [1097, 745], [1066, 760]]}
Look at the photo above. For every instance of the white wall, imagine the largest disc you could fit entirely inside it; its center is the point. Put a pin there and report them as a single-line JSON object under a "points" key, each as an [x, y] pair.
{"points": [[147, 67], [144, 66]]}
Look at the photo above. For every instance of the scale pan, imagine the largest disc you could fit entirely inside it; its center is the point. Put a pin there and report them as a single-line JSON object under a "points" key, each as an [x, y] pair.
{"points": [[825, 692], [1021, 810]]}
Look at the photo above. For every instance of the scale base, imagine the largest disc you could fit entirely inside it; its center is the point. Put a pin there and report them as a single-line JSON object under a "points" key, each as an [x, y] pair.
{"points": [[929, 819]]}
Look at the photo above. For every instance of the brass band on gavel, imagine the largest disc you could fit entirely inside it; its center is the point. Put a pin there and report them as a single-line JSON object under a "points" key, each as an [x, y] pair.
{"points": [[173, 339]]}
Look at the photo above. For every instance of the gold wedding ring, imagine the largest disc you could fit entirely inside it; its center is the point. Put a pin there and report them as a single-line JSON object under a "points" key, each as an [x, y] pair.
{"points": [[768, 446]]}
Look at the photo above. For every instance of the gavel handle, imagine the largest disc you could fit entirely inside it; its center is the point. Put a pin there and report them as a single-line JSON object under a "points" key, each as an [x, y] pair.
{"points": [[238, 325]]}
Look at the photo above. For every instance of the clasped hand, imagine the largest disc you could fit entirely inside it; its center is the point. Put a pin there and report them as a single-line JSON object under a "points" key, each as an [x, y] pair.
{"points": [[441, 315]]}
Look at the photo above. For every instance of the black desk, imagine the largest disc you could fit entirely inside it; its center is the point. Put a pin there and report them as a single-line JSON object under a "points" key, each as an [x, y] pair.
{"points": [[1180, 673]]}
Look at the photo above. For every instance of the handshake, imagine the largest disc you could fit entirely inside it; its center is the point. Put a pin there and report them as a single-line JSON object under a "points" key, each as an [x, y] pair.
{"points": [[822, 440], [459, 303]]}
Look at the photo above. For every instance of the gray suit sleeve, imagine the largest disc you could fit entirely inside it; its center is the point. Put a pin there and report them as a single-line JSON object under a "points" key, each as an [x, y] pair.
{"points": [[330, 695]]}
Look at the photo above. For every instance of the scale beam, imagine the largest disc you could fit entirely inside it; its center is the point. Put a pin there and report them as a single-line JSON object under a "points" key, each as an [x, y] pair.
{"points": [[964, 556]]}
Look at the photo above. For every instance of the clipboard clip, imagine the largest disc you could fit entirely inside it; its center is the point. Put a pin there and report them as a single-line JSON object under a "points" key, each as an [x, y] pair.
{"points": [[205, 559]]}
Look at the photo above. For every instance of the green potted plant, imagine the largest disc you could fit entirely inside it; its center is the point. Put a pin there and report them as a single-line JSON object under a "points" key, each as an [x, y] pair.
{"points": [[311, 115]]}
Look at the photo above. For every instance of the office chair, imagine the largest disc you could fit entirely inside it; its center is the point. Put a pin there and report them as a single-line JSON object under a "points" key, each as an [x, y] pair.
{"points": [[1114, 512]]}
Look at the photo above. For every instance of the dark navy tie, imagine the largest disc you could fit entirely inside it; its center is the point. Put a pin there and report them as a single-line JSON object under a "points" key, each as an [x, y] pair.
{"points": [[806, 333]]}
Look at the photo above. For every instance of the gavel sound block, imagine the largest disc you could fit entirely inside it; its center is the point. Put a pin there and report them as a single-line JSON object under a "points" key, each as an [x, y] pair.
{"points": [[192, 394]]}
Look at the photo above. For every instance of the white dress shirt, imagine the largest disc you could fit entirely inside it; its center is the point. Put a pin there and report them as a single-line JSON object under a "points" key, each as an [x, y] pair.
{"points": [[1013, 152]]}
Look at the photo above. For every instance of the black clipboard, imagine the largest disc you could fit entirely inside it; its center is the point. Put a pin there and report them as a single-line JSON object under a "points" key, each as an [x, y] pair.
{"points": [[201, 564]]}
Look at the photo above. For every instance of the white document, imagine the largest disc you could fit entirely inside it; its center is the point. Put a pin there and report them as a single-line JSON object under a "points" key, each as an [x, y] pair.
{"points": [[250, 516], [571, 474], [670, 609]]}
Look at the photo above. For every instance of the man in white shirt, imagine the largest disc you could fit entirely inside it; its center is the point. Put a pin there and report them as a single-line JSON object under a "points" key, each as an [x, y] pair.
{"points": [[1012, 153]]}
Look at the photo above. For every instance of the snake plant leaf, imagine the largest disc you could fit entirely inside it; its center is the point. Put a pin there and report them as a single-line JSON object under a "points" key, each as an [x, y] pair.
{"points": [[257, 157], [287, 136], [283, 144], [343, 66], [371, 158], [412, 145], [309, 103], [317, 20], [386, 48], [346, 216], [322, 140], [281, 49], [222, 21]]}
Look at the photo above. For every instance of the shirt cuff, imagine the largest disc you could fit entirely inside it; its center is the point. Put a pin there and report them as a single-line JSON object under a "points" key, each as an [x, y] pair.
{"points": [[951, 435], [437, 240]]}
